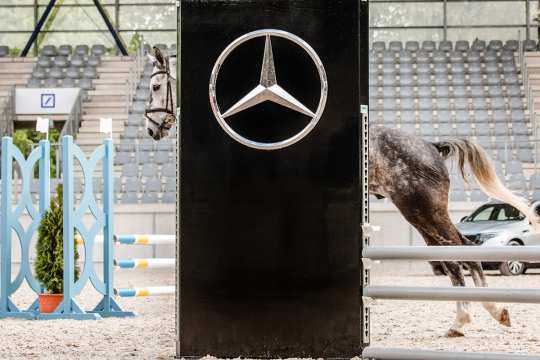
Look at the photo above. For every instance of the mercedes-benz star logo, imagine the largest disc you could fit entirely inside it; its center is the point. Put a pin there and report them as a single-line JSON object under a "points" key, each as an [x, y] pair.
{"points": [[268, 89]]}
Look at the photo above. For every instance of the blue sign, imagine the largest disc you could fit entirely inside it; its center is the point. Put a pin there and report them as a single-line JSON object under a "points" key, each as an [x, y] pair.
{"points": [[48, 101]]}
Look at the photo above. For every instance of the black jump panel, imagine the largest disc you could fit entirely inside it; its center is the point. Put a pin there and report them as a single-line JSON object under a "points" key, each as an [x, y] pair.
{"points": [[270, 240]]}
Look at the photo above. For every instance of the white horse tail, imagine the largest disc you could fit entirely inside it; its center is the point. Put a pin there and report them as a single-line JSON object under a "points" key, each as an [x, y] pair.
{"points": [[482, 167]]}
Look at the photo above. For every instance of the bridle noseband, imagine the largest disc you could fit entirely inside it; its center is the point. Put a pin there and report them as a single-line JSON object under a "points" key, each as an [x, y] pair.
{"points": [[170, 119]]}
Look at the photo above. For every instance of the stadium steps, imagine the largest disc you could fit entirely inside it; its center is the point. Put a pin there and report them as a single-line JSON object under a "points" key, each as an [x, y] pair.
{"points": [[108, 99], [532, 63], [13, 72]]}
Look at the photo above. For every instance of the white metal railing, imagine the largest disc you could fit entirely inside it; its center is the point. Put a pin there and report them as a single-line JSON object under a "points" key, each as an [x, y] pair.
{"points": [[73, 122], [7, 113]]}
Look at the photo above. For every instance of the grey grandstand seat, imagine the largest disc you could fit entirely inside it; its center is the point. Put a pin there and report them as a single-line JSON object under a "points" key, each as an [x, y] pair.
{"points": [[429, 45], [94, 60], [439, 57], [166, 144], [153, 184], [405, 69], [86, 84], [424, 91], [130, 132], [89, 73], [49, 50], [474, 68], [478, 195], [509, 67], [525, 155], [388, 57], [529, 45], [458, 79], [493, 79], [460, 91], [97, 185], [169, 170], [456, 57], [373, 58], [512, 45], [516, 103], [388, 92], [73, 72], [389, 117], [495, 45], [462, 45], [61, 62], [442, 104], [389, 69], [406, 80], [458, 195], [122, 158], [478, 45], [126, 145], [373, 70], [476, 79], [33, 83], [130, 170], [461, 103], [56, 73], [457, 68], [472, 56], [462, 116], [395, 46], [442, 91], [65, 50], [143, 156], [162, 47], [495, 91], [407, 104], [141, 95], [427, 131], [423, 80], [138, 107], [517, 182], [50, 83], [169, 198], [514, 167], [490, 56], [479, 103], [98, 49], [423, 69], [446, 129], [507, 57], [498, 103], [78, 60], [81, 50], [149, 198], [408, 128], [373, 80], [477, 91], [425, 116], [511, 79], [161, 157], [425, 104], [499, 116], [129, 198], [68, 83], [407, 116], [404, 57], [513, 90], [535, 182], [4, 51], [445, 45], [463, 130], [440, 69], [491, 68], [481, 116], [422, 57], [412, 46], [170, 185], [172, 49], [39, 73], [149, 170], [44, 62], [520, 128], [443, 115], [517, 115]]}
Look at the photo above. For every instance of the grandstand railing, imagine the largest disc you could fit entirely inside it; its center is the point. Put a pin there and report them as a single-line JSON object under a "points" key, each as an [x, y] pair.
{"points": [[135, 72], [73, 122]]}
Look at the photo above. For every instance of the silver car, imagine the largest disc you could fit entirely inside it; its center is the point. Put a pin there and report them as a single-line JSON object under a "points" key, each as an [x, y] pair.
{"points": [[499, 224]]}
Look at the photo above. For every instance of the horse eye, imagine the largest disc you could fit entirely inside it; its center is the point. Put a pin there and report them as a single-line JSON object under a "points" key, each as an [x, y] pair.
{"points": [[156, 87]]}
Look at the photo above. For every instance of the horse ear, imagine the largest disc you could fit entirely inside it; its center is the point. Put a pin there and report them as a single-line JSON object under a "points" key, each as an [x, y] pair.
{"points": [[151, 58], [159, 56]]}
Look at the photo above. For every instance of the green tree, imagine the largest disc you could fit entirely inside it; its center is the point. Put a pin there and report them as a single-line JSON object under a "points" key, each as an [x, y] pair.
{"points": [[49, 263]]}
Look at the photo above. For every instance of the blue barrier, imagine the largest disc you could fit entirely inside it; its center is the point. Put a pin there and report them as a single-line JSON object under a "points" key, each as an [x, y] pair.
{"points": [[68, 308]]}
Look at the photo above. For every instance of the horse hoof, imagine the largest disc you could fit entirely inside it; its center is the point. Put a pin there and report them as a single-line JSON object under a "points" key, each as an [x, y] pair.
{"points": [[454, 333], [505, 318]]}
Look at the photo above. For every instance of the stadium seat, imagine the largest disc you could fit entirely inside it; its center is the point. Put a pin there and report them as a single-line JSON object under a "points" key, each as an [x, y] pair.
{"points": [[65, 50], [512, 45], [81, 50], [99, 50], [462, 45], [412, 46], [495, 45], [4, 51], [49, 50], [529, 45]]}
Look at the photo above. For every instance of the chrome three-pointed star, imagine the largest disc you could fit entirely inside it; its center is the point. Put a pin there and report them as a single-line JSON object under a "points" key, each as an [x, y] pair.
{"points": [[268, 89]]}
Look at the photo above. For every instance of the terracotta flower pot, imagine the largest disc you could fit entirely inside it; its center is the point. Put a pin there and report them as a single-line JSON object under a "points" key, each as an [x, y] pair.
{"points": [[49, 302]]}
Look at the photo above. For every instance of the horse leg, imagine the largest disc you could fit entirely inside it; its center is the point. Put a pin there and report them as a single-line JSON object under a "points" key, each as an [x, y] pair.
{"points": [[498, 313], [453, 269]]}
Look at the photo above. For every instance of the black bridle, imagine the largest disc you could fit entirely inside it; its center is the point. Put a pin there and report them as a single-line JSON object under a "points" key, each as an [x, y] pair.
{"points": [[170, 119]]}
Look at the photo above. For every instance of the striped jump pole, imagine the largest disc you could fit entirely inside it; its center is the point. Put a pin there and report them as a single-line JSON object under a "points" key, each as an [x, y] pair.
{"points": [[135, 239], [165, 263], [145, 291]]}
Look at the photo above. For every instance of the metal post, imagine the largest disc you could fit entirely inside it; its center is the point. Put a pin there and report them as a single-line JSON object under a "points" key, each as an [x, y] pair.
{"points": [[445, 20], [44, 176], [178, 178], [5, 229], [108, 228], [117, 38], [527, 19], [38, 27]]}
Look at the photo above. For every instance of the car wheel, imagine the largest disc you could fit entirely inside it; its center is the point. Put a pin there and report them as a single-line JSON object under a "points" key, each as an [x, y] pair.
{"points": [[512, 268]]}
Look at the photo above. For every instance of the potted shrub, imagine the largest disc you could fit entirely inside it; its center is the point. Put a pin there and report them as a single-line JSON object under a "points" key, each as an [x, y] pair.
{"points": [[49, 263]]}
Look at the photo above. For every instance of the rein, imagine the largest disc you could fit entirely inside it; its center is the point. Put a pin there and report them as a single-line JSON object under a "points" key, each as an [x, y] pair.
{"points": [[169, 120]]}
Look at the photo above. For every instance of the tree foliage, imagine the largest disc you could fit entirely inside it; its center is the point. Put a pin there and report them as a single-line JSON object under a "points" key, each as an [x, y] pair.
{"points": [[49, 264]]}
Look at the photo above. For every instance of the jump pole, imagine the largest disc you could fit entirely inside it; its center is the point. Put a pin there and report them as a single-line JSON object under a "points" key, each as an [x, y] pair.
{"points": [[145, 291], [165, 263]]}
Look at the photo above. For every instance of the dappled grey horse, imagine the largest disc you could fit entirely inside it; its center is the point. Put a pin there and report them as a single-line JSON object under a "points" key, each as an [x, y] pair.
{"points": [[405, 169], [411, 173]]}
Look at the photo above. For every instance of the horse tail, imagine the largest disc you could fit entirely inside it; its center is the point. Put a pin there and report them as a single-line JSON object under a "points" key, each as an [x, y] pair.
{"points": [[484, 171]]}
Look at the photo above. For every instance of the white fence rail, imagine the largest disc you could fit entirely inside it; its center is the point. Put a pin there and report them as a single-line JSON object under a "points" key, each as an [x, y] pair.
{"points": [[455, 253], [413, 354]]}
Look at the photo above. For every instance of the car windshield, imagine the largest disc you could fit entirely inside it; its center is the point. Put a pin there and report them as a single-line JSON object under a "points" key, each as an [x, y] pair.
{"points": [[496, 212]]}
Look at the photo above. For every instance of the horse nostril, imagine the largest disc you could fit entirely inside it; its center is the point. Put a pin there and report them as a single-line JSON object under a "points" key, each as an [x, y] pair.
{"points": [[150, 132]]}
